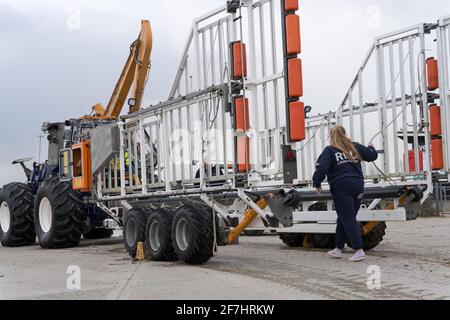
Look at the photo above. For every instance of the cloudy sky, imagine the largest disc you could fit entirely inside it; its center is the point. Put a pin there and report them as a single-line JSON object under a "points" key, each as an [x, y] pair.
{"points": [[52, 71]]}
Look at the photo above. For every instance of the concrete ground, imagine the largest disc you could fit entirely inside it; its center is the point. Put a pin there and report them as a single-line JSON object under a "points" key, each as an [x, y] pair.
{"points": [[414, 261]]}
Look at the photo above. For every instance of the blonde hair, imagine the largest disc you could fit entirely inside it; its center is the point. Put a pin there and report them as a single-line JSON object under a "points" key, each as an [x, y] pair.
{"points": [[340, 141]]}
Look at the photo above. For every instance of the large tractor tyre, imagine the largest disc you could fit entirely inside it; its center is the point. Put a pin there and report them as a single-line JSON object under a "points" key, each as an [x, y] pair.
{"points": [[98, 233], [59, 215], [293, 240], [193, 233], [16, 216], [158, 245], [134, 229], [375, 236]]}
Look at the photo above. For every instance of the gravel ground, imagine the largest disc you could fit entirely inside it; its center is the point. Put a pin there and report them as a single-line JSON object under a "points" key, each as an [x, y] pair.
{"points": [[414, 261]]}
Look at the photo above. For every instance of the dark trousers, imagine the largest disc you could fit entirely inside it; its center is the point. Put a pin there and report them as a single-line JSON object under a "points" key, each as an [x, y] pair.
{"points": [[347, 195]]}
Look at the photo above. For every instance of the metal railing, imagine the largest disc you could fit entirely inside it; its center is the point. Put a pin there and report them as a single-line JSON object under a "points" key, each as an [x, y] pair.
{"points": [[188, 144]]}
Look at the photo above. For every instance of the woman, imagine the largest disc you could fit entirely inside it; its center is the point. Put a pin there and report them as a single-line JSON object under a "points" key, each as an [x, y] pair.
{"points": [[341, 164]]}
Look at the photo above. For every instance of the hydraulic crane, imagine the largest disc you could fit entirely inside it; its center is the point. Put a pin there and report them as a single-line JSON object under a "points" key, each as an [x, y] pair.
{"points": [[133, 78]]}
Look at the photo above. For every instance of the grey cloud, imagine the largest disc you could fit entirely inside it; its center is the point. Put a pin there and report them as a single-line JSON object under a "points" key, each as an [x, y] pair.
{"points": [[12, 20]]}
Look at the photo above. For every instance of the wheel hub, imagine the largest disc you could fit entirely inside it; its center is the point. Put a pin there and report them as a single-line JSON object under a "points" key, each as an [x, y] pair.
{"points": [[45, 215], [182, 235], [5, 217], [131, 233], [154, 236]]}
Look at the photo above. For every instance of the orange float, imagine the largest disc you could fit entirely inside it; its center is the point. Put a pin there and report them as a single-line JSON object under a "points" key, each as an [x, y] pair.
{"points": [[297, 121], [239, 60], [295, 78], [293, 39], [433, 74], [291, 5], [435, 120], [438, 154]]}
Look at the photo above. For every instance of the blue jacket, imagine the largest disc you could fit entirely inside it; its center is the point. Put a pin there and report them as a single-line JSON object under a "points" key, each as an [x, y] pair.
{"points": [[334, 165]]}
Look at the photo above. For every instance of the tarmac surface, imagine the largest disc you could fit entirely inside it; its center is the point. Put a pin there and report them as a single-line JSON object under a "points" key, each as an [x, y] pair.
{"points": [[413, 263]]}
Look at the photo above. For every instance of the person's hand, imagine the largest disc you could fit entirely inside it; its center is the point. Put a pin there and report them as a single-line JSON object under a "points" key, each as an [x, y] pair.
{"points": [[319, 190]]}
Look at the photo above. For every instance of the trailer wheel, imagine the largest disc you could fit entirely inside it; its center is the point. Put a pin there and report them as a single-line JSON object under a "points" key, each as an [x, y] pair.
{"points": [[134, 229], [193, 233], [59, 215], [158, 245], [323, 241], [293, 240], [98, 233], [318, 240], [16, 216], [374, 237]]}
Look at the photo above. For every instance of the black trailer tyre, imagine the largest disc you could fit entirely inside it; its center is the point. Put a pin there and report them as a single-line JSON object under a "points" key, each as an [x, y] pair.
{"points": [[293, 240], [134, 229], [323, 241], [59, 215], [370, 240], [374, 237], [158, 245], [98, 233], [16, 216], [193, 233], [318, 240]]}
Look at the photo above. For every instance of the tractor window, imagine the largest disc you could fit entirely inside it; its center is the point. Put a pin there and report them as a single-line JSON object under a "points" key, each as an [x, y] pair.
{"points": [[77, 163], [65, 166]]}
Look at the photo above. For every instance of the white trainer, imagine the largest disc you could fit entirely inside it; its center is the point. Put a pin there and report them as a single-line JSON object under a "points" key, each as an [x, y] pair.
{"points": [[336, 254], [358, 257]]}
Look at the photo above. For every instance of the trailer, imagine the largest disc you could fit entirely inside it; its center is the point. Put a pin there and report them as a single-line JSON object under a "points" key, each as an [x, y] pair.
{"points": [[234, 147]]}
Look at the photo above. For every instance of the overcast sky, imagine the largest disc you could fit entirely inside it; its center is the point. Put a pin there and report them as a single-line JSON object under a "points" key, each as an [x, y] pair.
{"points": [[51, 70]]}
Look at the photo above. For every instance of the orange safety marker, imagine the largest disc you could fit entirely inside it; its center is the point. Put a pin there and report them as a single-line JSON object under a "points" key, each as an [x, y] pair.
{"points": [[297, 121], [242, 114], [243, 154], [435, 120], [433, 74], [293, 38], [437, 154], [411, 158], [291, 5], [239, 50], [295, 78]]}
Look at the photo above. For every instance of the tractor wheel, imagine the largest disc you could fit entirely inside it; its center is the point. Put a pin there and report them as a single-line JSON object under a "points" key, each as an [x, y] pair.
{"points": [[293, 240], [134, 229], [98, 233], [374, 237], [158, 245], [193, 233], [59, 215], [16, 216]]}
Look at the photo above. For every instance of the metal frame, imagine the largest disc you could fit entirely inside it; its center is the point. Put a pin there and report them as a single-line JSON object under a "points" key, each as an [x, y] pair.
{"points": [[197, 125], [443, 55]]}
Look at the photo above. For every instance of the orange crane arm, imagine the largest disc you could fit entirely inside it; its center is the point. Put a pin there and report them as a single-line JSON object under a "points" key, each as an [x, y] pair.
{"points": [[133, 77]]}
